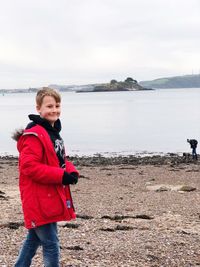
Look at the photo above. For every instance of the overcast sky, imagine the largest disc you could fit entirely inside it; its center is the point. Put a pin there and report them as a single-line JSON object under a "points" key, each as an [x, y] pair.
{"points": [[88, 41]]}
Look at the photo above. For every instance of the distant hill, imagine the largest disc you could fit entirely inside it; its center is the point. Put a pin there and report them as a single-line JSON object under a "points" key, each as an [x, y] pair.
{"points": [[185, 81], [71, 88]]}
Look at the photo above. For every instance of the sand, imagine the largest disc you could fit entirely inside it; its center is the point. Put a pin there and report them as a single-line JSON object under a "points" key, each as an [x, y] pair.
{"points": [[129, 214]]}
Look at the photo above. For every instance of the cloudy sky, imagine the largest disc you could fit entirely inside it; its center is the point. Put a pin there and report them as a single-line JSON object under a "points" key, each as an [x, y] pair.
{"points": [[89, 41]]}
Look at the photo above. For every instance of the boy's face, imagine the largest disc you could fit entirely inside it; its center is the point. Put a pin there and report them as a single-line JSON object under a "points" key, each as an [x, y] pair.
{"points": [[49, 109]]}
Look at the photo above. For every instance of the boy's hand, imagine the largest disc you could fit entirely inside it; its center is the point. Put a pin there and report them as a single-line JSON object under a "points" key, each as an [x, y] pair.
{"points": [[71, 178]]}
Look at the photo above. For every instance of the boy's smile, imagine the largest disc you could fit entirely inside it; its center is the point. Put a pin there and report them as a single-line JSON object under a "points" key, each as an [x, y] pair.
{"points": [[49, 109]]}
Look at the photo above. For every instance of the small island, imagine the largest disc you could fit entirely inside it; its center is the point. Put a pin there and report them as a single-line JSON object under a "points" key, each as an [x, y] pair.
{"points": [[129, 84]]}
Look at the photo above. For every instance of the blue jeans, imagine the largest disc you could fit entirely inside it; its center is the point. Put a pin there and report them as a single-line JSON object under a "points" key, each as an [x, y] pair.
{"points": [[46, 236], [194, 153]]}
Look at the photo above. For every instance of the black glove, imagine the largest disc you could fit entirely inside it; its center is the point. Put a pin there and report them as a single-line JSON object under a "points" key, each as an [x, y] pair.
{"points": [[69, 178]]}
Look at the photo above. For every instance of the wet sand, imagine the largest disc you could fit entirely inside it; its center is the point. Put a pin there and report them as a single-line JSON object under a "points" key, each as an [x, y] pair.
{"points": [[130, 212]]}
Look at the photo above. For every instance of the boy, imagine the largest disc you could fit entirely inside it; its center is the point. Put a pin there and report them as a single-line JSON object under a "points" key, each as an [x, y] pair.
{"points": [[44, 180]]}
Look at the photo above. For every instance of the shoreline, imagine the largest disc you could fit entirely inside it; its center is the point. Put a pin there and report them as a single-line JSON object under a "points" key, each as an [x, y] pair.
{"points": [[141, 159]]}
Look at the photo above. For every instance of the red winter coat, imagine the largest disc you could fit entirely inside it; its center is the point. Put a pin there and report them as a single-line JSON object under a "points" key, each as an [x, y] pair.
{"points": [[43, 196]]}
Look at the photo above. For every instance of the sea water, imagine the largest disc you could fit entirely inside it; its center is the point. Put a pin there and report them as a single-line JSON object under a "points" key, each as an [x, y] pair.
{"points": [[111, 123]]}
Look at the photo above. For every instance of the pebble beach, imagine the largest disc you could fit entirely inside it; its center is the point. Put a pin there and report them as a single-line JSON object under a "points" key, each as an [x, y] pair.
{"points": [[131, 211]]}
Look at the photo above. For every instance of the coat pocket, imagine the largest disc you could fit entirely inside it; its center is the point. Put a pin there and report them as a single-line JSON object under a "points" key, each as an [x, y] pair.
{"points": [[50, 202]]}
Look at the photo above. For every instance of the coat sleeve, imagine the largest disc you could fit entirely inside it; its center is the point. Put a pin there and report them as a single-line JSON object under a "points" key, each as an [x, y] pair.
{"points": [[31, 163], [70, 167]]}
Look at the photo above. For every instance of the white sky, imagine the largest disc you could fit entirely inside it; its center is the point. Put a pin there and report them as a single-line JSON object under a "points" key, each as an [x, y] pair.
{"points": [[89, 41]]}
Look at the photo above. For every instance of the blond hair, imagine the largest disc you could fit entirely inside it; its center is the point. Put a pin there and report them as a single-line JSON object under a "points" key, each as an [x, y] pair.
{"points": [[46, 91]]}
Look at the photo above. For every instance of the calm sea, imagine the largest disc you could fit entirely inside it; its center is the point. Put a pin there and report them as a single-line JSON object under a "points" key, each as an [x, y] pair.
{"points": [[157, 121]]}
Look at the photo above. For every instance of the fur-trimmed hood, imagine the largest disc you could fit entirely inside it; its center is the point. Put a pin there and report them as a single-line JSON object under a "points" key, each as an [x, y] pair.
{"points": [[36, 119], [17, 134]]}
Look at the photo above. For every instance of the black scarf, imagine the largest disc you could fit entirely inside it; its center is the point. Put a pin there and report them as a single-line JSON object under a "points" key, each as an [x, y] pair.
{"points": [[54, 134]]}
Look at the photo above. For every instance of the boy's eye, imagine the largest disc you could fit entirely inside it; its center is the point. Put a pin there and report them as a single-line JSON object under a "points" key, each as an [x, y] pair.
{"points": [[51, 106]]}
